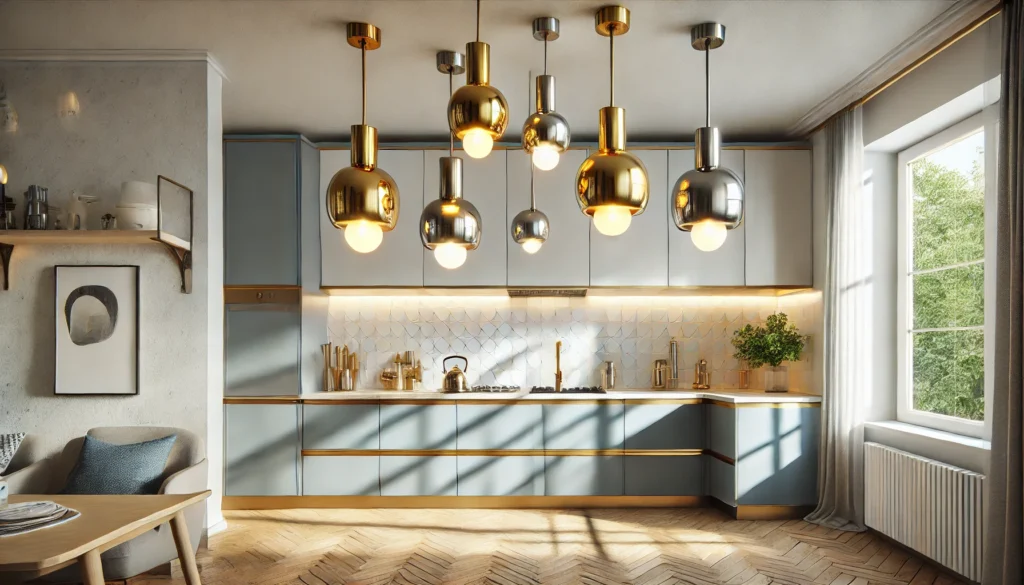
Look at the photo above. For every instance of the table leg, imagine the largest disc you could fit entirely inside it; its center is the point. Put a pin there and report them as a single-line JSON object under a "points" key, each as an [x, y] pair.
{"points": [[92, 568], [186, 555]]}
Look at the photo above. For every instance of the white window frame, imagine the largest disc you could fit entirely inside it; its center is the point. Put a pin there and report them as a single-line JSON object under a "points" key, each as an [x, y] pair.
{"points": [[986, 120]]}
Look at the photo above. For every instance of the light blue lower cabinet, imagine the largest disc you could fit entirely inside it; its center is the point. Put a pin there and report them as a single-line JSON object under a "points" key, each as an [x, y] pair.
{"points": [[342, 426], [500, 426], [261, 449], [418, 475], [341, 476], [720, 480], [415, 426], [721, 429], [583, 475], [664, 426], [590, 425], [777, 456], [501, 476], [681, 475]]}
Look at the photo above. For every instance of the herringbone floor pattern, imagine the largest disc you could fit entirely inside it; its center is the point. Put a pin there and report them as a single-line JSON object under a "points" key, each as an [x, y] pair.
{"points": [[551, 547]]}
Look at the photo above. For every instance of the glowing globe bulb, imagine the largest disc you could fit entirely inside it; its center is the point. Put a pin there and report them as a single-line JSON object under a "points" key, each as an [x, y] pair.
{"points": [[477, 143], [450, 256], [708, 235], [545, 157], [363, 236], [531, 246], [612, 220]]}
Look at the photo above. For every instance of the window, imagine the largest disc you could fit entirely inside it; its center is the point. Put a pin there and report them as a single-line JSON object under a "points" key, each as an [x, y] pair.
{"points": [[945, 218]]}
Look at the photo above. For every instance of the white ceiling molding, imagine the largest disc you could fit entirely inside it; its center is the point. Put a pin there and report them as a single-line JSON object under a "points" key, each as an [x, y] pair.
{"points": [[112, 55], [955, 19]]}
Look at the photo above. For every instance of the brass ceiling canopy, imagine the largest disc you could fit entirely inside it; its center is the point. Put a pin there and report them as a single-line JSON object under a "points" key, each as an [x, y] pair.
{"points": [[362, 199], [450, 225], [612, 184], [478, 112], [708, 200], [530, 227], [545, 132]]}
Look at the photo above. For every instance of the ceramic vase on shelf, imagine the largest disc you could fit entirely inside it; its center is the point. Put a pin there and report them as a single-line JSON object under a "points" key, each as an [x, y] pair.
{"points": [[78, 211], [776, 379]]}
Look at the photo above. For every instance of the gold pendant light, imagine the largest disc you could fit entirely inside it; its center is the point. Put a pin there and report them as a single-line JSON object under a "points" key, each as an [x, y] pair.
{"points": [[708, 200], [546, 132], [612, 185], [450, 225], [362, 199], [477, 112]]}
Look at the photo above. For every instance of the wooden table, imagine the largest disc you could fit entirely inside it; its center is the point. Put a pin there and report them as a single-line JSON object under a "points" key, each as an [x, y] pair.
{"points": [[106, 522]]}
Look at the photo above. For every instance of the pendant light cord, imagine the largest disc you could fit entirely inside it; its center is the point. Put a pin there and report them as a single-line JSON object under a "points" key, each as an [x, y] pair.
{"points": [[707, 86], [545, 54], [478, 21], [611, 64], [533, 192], [362, 46], [451, 134]]}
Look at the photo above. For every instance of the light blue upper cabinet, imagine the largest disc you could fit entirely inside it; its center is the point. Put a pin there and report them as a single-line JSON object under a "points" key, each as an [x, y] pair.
{"points": [[261, 212], [483, 184], [560, 261], [399, 259], [778, 218], [638, 257], [688, 266], [261, 350]]}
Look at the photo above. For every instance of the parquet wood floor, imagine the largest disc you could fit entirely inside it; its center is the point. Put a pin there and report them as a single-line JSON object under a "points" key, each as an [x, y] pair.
{"points": [[521, 547]]}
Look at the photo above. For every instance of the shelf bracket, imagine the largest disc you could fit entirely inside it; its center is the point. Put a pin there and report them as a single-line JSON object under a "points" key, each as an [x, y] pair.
{"points": [[5, 256], [183, 260]]}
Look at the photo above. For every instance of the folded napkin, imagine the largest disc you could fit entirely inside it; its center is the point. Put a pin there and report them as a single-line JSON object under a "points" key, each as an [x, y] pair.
{"points": [[29, 516]]}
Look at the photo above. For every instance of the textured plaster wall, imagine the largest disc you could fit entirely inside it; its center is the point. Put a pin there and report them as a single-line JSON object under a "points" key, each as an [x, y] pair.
{"points": [[136, 120]]}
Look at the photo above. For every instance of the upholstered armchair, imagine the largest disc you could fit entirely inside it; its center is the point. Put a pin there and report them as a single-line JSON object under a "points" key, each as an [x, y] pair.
{"points": [[184, 473]]}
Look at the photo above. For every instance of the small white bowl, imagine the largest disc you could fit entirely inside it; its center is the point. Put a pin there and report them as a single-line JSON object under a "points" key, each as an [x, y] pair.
{"points": [[136, 218]]}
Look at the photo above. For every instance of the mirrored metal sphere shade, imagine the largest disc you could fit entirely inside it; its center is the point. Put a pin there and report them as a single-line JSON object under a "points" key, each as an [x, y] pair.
{"points": [[363, 191], [546, 127], [450, 219], [612, 176], [530, 224], [477, 105], [715, 194]]}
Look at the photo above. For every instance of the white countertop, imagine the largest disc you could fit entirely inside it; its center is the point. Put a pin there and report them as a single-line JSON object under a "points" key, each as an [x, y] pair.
{"points": [[731, 396]]}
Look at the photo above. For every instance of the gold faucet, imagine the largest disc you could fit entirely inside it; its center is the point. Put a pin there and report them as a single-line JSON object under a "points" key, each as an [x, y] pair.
{"points": [[558, 366]]}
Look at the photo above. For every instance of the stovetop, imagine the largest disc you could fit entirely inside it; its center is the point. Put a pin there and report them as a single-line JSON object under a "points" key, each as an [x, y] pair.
{"points": [[573, 390], [495, 389]]}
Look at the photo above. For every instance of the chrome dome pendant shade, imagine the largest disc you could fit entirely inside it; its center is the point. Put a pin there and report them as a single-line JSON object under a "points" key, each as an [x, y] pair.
{"points": [[530, 227], [450, 226], [612, 184], [478, 112], [362, 199], [545, 132], [708, 200]]}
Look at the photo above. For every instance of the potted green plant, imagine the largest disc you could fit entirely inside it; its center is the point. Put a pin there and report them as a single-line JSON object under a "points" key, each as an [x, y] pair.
{"points": [[769, 345]]}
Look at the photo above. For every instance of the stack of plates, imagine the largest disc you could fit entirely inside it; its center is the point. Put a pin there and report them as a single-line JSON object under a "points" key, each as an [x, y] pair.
{"points": [[29, 516], [137, 208]]}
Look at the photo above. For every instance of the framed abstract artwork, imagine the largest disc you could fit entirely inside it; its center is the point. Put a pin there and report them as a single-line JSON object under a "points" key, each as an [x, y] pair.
{"points": [[97, 330]]}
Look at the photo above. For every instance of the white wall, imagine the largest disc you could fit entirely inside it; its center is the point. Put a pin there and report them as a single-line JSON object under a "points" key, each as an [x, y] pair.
{"points": [[136, 120]]}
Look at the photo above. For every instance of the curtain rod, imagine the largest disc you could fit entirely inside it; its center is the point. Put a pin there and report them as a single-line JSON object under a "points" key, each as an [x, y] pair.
{"points": [[910, 68]]}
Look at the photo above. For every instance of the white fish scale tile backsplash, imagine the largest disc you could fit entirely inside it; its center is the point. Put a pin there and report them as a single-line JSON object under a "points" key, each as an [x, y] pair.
{"points": [[512, 341]]}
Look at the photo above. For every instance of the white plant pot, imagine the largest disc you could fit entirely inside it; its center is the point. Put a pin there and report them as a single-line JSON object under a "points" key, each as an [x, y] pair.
{"points": [[776, 379]]}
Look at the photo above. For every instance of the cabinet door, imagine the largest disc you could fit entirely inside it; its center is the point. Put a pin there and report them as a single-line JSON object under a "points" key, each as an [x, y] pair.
{"points": [[777, 455], [399, 259], [418, 475], [341, 475], [342, 426], [499, 426], [720, 480], [688, 266], [593, 425], [261, 213], [261, 350], [417, 427], [647, 475], [638, 257], [721, 429], [664, 426], [261, 449], [561, 260], [778, 217], [501, 476], [483, 184], [583, 475]]}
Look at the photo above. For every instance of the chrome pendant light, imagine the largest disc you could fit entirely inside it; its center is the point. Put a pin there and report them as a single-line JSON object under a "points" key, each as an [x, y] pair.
{"points": [[478, 112], [612, 185], [546, 132], [362, 199], [707, 201], [450, 225], [530, 227]]}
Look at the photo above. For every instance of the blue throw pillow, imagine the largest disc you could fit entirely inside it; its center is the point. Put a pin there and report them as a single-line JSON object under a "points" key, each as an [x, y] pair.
{"points": [[104, 468]]}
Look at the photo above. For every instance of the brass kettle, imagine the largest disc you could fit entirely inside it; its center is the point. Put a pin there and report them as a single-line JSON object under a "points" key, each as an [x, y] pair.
{"points": [[455, 379]]}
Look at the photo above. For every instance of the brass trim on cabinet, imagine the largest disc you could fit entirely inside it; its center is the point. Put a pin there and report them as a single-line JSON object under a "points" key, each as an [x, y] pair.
{"points": [[512, 453], [484, 502], [261, 400], [743, 512], [680, 401], [663, 452], [720, 457], [763, 404], [513, 401], [255, 295]]}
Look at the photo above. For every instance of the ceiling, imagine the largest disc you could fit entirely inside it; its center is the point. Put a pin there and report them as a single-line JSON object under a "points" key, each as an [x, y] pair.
{"points": [[290, 68]]}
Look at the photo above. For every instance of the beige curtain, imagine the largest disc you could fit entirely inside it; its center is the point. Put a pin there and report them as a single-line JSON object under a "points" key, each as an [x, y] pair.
{"points": [[847, 347], [1004, 542]]}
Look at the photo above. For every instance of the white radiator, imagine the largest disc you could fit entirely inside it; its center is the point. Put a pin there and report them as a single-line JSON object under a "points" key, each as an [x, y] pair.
{"points": [[931, 507]]}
